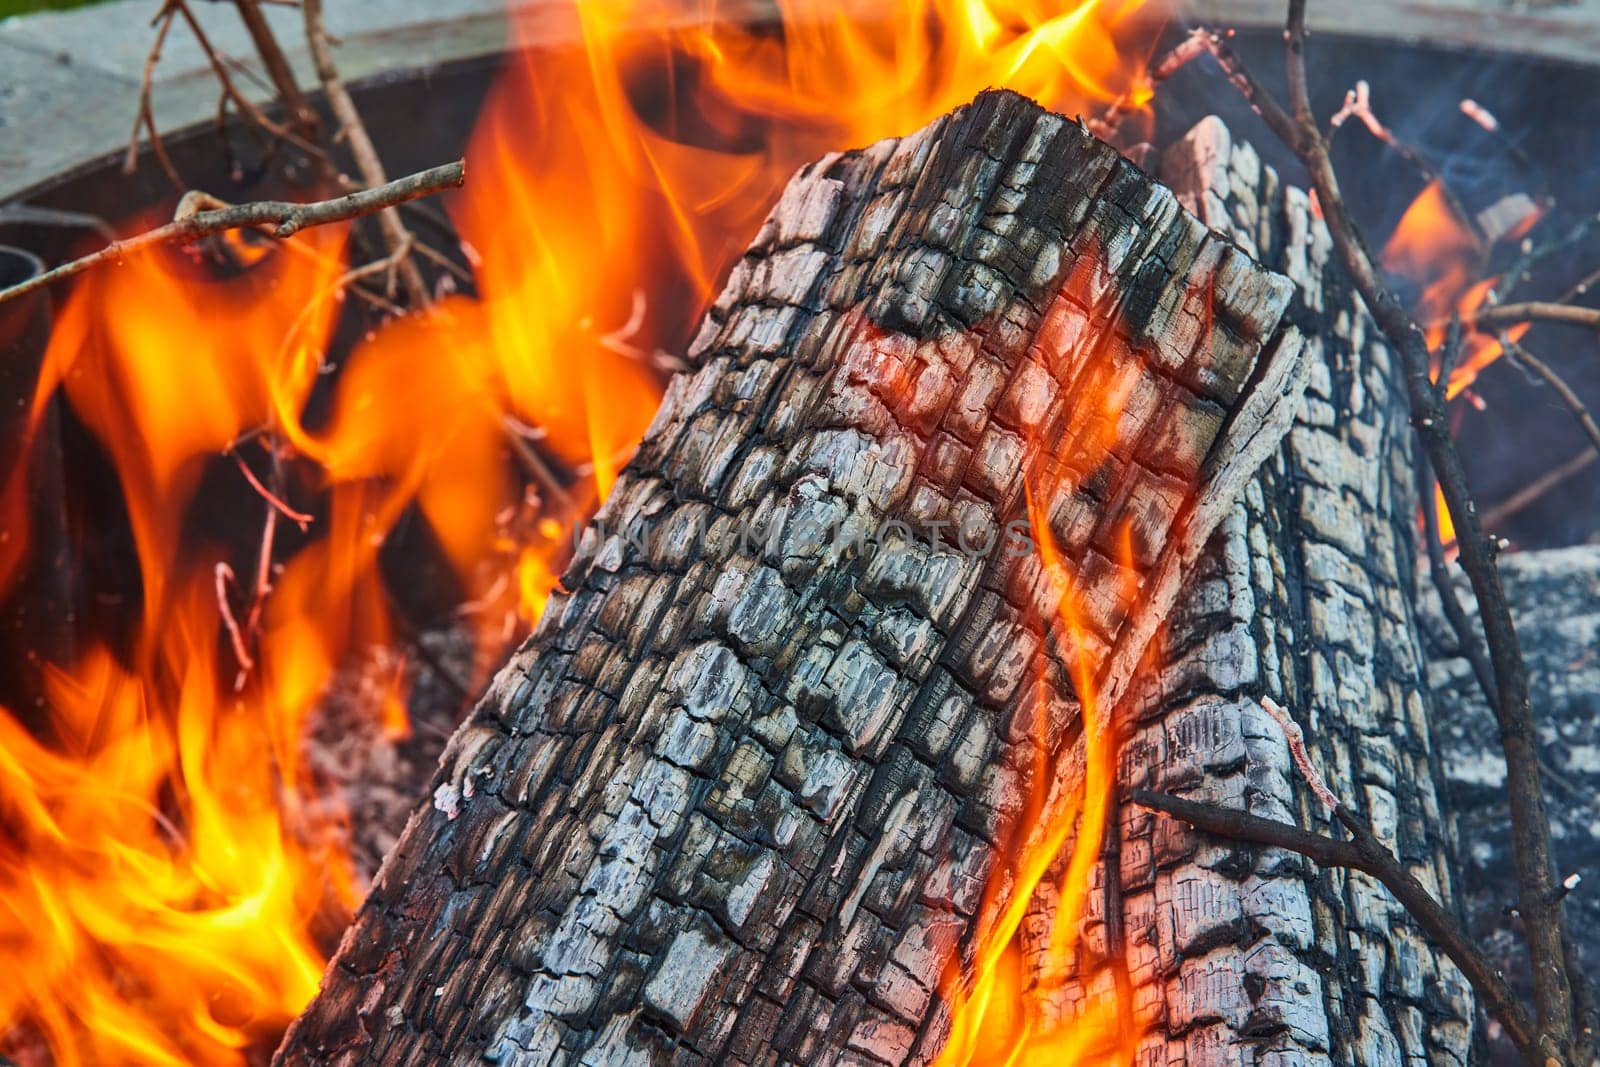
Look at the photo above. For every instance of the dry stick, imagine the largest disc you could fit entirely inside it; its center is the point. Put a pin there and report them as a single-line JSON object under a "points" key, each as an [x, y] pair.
{"points": [[354, 131], [1522, 269], [220, 68], [144, 118], [1540, 487], [277, 67], [278, 218], [1366, 854], [1467, 639], [1500, 315], [1521, 356], [1539, 900]]}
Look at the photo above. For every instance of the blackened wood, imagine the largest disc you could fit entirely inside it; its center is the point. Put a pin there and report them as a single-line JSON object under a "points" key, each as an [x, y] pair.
{"points": [[738, 797], [1306, 594]]}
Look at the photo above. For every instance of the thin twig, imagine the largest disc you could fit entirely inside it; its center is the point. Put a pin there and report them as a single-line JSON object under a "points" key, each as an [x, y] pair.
{"points": [[1302, 758], [1497, 316], [224, 578], [219, 67], [277, 218], [299, 518], [1366, 854], [1522, 357], [1539, 488], [354, 132], [278, 69], [144, 117], [1521, 269], [1538, 900], [535, 465]]}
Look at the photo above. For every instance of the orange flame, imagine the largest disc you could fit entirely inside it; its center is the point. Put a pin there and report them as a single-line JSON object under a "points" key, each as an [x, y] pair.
{"points": [[999, 1017], [1434, 247], [171, 868]]}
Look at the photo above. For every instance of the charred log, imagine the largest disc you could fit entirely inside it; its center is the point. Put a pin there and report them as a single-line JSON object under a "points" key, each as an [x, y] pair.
{"points": [[1307, 595], [740, 794]]}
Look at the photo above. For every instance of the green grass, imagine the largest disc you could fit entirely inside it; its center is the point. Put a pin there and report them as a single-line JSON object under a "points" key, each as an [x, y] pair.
{"points": [[23, 7]]}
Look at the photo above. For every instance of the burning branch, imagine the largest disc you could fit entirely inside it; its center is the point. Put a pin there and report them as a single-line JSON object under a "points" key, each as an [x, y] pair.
{"points": [[277, 218]]}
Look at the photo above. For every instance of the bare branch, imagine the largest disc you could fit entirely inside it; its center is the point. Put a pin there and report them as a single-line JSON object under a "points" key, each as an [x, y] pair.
{"points": [[1302, 758], [354, 132], [275, 217], [144, 117], [1467, 639], [1358, 105], [277, 68], [1498, 316], [1522, 357], [1540, 487], [1539, 901]]}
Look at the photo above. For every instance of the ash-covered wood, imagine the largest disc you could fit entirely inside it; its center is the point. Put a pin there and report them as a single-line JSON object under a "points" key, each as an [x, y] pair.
{"points": [[738, 796], [1307, 595]]}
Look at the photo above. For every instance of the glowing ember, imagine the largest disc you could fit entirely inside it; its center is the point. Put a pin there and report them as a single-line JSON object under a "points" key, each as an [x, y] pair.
{"points": [[169, 863]]}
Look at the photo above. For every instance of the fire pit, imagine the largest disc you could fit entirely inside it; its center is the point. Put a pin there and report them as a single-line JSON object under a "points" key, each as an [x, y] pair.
{"points": [[1025, 543]]}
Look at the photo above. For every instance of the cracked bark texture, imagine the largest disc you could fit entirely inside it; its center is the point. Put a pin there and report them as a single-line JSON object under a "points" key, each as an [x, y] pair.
{"points": [[1307, 594], [738, 797]]}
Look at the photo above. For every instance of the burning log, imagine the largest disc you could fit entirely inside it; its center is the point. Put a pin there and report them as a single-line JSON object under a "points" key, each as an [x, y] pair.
{"points": [[842, 648], [748, 781]]}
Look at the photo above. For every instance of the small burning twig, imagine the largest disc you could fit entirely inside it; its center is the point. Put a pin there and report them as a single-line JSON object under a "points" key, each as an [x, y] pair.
{"points": [[278, 218], [517, 433], [299, 518], [1185, 52], [241, 652], [354, 132]]}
